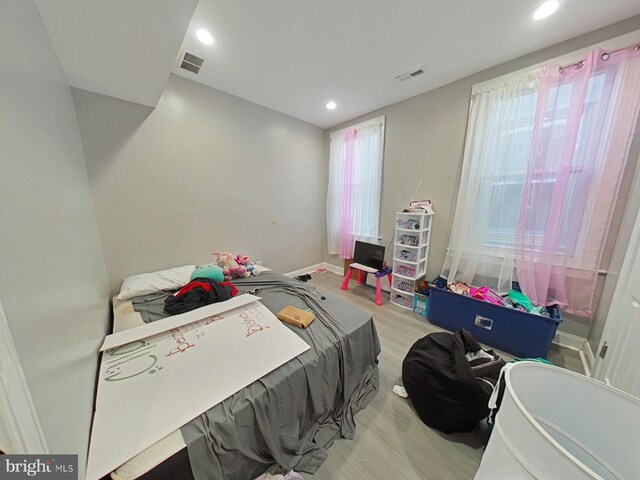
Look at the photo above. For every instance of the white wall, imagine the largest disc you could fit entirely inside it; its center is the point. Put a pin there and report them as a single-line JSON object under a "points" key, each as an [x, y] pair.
{"points": [[202, 172], [52, 277]]}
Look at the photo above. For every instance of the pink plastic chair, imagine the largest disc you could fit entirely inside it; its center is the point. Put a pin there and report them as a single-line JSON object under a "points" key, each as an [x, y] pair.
{"points": [[362, 277]]}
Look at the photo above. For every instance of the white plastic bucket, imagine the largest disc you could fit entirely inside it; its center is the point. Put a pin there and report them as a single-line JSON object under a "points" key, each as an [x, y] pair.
{"points": [[554, 424]]}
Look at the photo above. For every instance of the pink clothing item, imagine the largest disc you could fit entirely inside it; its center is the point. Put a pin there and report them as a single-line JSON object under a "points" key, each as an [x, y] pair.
{"points": [[584, 124], [487, 295]]}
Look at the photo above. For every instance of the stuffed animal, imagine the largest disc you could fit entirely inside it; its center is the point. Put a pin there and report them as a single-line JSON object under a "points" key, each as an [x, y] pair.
{"points": [[210, 270], [230, 267], [243, 260]]}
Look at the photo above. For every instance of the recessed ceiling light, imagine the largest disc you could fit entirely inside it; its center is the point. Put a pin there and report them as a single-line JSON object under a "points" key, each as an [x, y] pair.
{"points": [[331, 105], [545, 10], [204, 36]]}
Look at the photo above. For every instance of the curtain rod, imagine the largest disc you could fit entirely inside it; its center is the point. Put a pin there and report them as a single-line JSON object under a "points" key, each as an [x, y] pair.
{"points": [[605, 56]]}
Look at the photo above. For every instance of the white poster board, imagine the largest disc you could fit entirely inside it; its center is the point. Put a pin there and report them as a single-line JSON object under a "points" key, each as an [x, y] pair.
{"points": [[153, 386], [144, 331]]}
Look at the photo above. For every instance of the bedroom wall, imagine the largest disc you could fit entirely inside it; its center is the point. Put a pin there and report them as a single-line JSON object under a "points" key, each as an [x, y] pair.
{"points": [[425, 140], [202, 172], [53, 282]]}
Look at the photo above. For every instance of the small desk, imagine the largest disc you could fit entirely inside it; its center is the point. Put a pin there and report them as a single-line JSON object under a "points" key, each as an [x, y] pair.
{"points": [[363, 270]]}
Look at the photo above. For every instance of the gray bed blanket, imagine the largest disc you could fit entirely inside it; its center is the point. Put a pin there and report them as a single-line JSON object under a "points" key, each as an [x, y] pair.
{"points": [[292, 415]]}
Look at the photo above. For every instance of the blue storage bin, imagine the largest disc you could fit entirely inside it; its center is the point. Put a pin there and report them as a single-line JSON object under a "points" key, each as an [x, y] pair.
{"points": [[518, 333]]}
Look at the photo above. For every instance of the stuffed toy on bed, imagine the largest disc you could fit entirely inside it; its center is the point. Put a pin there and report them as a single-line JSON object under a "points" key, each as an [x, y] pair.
{"points": [[230, 267], [210, 270], [243, 260]]}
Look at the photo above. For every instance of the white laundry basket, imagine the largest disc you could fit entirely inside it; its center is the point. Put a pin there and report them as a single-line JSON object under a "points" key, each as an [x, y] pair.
{"points": [[554, 424]]}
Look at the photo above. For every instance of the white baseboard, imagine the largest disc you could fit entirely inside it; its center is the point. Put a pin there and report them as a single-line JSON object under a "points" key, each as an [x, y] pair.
{"points": [[588, 358], [585, 365], [333, 268], [312, 268], [570, 341], [580, 345], [589, 353], [302, 271]]}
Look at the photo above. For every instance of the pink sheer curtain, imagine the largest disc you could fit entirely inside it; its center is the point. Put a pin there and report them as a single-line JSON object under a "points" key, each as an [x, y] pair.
{"points": [[354, 189], [585, 121], [346, 237]]}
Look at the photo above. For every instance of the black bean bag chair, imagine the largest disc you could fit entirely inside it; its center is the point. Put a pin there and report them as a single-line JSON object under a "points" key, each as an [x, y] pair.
{"points": [[449, 379]]}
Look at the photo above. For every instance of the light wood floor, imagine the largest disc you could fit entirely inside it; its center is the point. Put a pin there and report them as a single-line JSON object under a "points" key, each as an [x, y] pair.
{"points": [[391, 442]]}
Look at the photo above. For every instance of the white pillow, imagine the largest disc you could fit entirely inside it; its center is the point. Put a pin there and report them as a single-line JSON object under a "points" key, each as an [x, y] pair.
{"points": [[146, 283]]}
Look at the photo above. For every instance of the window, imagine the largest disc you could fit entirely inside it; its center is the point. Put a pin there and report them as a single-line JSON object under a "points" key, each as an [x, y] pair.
{"points": [[502, 184], [544, 156], [504, 169], [355, 178]]}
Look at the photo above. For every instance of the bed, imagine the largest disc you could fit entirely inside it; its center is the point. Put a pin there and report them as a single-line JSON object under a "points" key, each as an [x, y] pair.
{"points": [[288, 417]]}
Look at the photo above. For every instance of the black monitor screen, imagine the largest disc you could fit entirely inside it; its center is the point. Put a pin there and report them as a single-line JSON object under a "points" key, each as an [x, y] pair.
{"points": [[369, 254]]}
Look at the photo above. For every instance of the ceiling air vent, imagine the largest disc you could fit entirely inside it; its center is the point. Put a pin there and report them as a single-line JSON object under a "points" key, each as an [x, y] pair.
{"points": [[409, 75], [191, 62]]}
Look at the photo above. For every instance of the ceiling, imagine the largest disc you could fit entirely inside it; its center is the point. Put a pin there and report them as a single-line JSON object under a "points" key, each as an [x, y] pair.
{"points": [[122, 48], [295, 55]]}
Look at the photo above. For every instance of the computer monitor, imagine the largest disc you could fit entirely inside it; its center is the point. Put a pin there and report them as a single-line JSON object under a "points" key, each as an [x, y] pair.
{"points": [[369, 254]]}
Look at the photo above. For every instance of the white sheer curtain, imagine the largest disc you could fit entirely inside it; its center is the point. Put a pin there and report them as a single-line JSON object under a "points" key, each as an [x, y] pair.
{"points": [[496, 155], [334, 193], [355, 182]]}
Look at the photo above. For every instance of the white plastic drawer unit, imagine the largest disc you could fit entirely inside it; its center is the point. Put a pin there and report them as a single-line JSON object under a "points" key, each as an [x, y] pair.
{"points": [[410, 254]]}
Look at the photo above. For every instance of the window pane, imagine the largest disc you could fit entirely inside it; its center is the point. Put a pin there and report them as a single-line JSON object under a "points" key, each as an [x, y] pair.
{"points": [[504, 175], [506, 152]]}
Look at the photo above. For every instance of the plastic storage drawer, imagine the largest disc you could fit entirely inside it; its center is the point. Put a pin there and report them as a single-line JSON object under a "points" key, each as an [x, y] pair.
{"points": [[403, 299], [404, 285], [405, 270], [513, 331]]}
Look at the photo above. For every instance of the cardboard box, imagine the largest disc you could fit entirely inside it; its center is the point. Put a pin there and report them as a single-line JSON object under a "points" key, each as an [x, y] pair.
{"points": [[296, 316]]}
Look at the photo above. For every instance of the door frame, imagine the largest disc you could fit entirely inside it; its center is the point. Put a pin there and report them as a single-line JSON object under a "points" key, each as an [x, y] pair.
{"points": [[630, 215], [20, 429], [615, 324]]}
